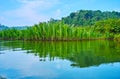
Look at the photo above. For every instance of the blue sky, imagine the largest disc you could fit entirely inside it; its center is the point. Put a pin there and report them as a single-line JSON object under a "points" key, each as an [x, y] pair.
{"points": [[30, 12]]}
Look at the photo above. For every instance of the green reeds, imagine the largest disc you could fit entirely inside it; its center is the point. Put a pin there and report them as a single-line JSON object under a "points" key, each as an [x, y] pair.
{"points": [[53, 31]]}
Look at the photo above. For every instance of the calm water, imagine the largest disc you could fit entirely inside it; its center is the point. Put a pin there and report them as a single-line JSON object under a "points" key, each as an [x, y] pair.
{"points": [[60, 60]]}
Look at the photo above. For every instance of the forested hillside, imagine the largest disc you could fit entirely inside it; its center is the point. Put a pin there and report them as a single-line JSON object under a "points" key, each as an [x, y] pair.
{"points": [[89, 17]]}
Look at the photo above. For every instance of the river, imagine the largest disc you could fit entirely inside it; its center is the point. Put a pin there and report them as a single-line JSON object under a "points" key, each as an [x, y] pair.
{"points": [[60, 60]]}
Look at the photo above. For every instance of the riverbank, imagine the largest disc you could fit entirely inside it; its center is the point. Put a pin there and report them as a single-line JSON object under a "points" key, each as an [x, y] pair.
{"points": [[90, 39]]}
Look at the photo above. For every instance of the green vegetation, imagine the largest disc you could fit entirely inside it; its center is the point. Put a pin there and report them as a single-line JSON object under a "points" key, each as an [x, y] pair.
{"points": [[60, 30], [89, 17]]}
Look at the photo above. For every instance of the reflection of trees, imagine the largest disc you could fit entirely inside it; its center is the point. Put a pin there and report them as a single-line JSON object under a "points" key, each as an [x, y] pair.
{"points": [[2, 77], [82, 54]]}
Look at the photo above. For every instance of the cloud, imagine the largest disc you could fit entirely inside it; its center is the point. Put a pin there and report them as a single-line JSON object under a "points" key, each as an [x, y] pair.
{"points": [[57, 14], [30, 12], [41, 4]]}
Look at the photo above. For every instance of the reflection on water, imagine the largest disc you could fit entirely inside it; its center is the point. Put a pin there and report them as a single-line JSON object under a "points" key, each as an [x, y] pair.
{"points": [[82, 54], [57, 60]]}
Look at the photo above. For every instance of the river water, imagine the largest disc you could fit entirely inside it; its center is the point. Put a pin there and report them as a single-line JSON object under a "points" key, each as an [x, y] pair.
{"points": [[60, 60]]}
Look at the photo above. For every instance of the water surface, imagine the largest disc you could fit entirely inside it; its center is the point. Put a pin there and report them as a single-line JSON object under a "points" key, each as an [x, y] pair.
{"points": [[60, 60]]}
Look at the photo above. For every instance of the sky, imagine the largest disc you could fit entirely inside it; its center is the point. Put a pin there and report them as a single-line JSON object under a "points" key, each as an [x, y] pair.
{"points": [[30, 12]]}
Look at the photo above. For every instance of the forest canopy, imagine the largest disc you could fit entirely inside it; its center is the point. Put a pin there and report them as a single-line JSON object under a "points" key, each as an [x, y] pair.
{"points": [[89, 17]]}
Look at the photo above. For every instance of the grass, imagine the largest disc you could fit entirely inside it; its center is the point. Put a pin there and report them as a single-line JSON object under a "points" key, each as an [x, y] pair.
{"points": [[54, 32]]}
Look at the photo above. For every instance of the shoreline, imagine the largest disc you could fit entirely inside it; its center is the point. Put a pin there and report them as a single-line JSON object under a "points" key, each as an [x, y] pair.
{"points": [[52, 40]]}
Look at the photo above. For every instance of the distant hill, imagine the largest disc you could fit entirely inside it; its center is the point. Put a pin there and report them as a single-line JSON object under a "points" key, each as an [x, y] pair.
{"points": [[3, 27], [89, 17], [19, 27]]}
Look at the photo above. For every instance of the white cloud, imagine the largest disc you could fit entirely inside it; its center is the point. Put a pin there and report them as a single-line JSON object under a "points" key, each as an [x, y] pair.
{"points": [[57, 14], [30, 12], [41, 4]]}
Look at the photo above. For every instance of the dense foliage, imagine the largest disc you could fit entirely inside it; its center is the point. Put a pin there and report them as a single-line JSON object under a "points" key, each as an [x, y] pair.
{"points": [[110, 27], [89, 17]]}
